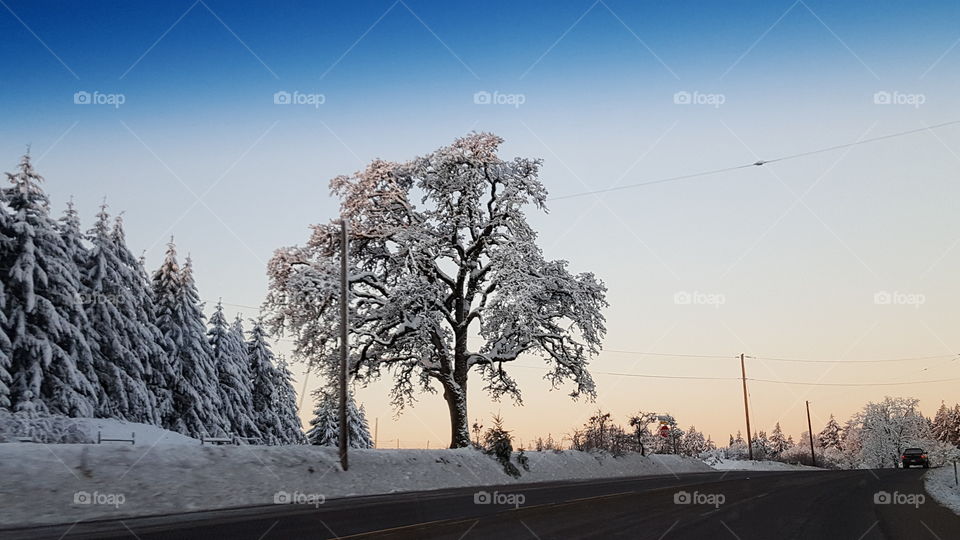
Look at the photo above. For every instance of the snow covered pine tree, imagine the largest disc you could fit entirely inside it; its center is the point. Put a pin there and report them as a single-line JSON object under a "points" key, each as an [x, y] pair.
{"points": [[274, 399], [196, 393], [325, 425], [51, 365], [424, 279], [233, 373], [123, 339]]}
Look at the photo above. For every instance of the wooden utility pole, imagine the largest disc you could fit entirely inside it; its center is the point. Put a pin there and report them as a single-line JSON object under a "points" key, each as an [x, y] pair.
{"points": [[376, 432], [344, 432], [746, 407], [813, 457]]}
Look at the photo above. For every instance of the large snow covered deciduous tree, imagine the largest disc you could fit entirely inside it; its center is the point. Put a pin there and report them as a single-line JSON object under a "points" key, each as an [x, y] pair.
{"points": [[440, 252]]}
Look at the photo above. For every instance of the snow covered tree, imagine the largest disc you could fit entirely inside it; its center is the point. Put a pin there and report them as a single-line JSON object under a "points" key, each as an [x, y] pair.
{"points": [[693, 443], [831, 435], [122, 337], [289, 428], [887, 428], [778, 443], [954, 437], [6, 247], [264, 379], [196, 396], [51, 365], [325, 425], [426, 277], [941, 423], [146, 340], [233, 374], [640, 423], [946, 424]]}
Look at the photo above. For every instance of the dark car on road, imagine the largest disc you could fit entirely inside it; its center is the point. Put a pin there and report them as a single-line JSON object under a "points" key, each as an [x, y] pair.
{"points": [[914, 456]]}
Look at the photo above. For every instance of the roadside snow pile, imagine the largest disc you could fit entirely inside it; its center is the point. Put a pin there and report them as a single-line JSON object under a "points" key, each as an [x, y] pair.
{"points": [[45, 484], [747, 465], [941, 486]]}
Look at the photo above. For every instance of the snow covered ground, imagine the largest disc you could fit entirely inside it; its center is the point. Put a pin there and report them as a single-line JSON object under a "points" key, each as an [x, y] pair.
{"points": [[69, 482], [941, 486], [746, 465]]}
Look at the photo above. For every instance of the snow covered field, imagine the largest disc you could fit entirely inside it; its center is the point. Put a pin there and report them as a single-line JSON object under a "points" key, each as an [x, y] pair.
{"points": [[45, 484], [941, 486]]}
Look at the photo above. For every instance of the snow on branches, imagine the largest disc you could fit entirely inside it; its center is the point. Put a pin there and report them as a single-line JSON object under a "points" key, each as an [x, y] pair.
{"points": [[440, 253]]}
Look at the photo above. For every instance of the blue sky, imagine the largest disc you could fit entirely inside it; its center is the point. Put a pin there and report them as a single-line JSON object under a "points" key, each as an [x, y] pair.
{"points": [[598, 82]]}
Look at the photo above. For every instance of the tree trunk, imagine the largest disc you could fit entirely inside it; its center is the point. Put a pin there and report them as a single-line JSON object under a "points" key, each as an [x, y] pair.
{"points": [[455, 395]]}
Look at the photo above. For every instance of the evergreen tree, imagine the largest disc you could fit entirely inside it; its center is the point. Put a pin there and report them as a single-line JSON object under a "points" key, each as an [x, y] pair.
{"points": [[6, 246], [51, 365], [777, 441], [325, 425], [233, 373], [120, 338], [830, 437], [954, 429], [146, 341], [942, 423], [264, 380], [289, 428], [196, 396]]}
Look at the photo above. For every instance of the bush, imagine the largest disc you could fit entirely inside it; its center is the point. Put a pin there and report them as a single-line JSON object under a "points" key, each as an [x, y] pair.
{"points": [[498, 443], [49, 429]]}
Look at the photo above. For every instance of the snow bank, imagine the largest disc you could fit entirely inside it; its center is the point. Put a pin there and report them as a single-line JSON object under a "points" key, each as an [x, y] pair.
{"points": [[64, 483], [747, 465], [941, 486]]}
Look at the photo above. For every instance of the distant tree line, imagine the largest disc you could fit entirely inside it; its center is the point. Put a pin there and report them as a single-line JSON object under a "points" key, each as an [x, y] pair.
{"points": [[874, 437]]}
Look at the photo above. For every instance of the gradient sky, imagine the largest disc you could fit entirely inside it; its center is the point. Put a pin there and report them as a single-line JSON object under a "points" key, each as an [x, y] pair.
{"points": [[797, 249]]}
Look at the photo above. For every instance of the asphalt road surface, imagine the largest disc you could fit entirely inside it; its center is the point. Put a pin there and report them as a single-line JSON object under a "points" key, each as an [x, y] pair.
{"points": [[736, 505]]}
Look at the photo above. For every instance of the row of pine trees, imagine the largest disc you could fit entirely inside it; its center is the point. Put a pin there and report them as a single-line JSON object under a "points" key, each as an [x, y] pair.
{"points": [[85, 332]]}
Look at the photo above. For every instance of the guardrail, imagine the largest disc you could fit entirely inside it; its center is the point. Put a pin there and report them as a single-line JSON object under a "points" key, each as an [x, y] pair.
{"points": [[131, 440]]}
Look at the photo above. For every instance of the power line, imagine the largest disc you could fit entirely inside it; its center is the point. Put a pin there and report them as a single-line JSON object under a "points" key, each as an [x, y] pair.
{"points": [[802, 383], [646, 376], [883, 360], [856, 384], [725, 356], [757, 163]]}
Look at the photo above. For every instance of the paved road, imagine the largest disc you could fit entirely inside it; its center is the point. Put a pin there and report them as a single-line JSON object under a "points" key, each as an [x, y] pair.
{"points": [[735, 505]]}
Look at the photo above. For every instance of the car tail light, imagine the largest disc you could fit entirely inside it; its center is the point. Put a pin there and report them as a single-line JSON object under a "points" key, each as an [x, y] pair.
{"points": [[924, 456], [903, 457]]}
